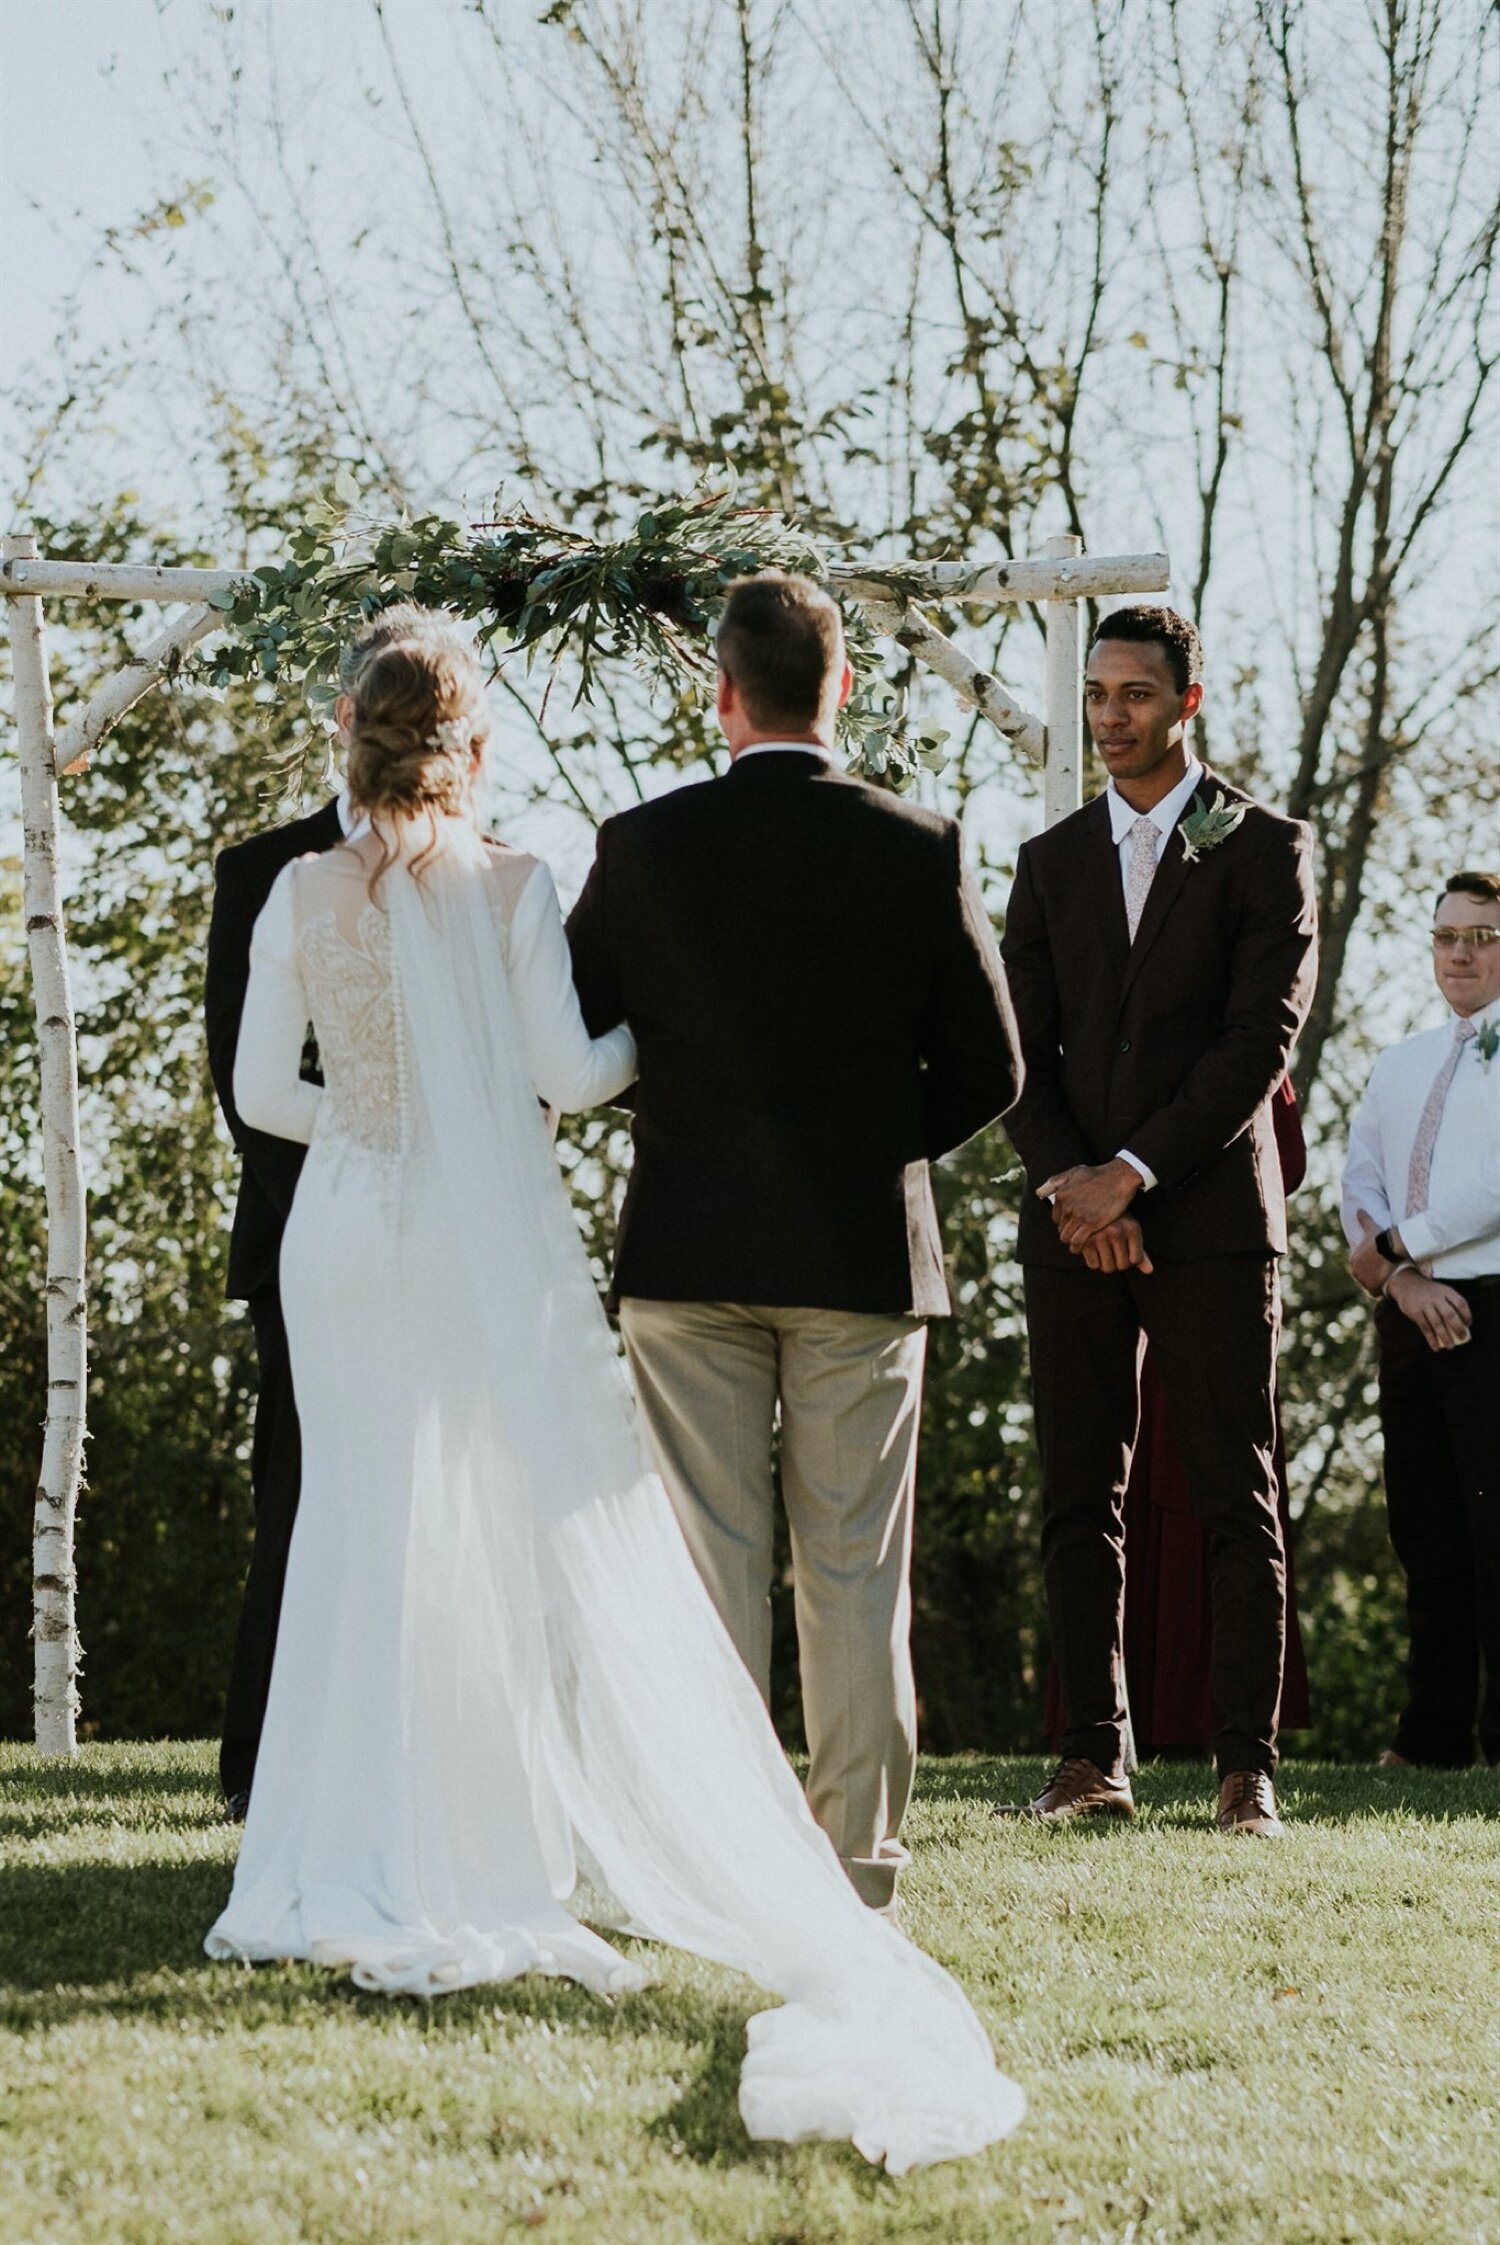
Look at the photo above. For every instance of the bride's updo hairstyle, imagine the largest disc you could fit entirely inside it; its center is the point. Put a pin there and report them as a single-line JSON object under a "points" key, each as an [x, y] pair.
{"points": [[419, 717]]}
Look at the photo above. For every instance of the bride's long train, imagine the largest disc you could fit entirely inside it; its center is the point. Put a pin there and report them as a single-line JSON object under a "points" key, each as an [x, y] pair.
{"points": [[499, 1683]]}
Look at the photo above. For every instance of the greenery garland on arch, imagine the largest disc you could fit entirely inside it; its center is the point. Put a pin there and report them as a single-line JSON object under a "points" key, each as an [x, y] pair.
{"points": [[647, 598]]}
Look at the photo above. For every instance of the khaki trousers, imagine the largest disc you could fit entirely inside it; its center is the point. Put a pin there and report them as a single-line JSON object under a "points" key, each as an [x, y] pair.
{"points": [[710, 1377]]}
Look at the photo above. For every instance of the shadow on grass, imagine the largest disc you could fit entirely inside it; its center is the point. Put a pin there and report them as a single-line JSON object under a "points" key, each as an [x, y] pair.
{"points": [[705, 2126], [705, 2121], [99, 1789], [163, 1766], [125, 1941], [85, 1925]]}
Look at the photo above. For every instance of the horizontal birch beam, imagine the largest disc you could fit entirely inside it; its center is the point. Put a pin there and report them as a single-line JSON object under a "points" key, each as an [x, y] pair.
{"points": [[1090, 576], [980, 688], [116, 580], [125, 688]]}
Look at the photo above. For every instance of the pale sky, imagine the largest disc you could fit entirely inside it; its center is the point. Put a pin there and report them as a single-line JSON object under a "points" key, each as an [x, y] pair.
{"points": [[80, 95]]}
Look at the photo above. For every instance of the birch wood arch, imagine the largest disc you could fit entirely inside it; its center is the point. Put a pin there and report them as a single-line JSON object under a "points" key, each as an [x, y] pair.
{"points": [[1059, 577]]}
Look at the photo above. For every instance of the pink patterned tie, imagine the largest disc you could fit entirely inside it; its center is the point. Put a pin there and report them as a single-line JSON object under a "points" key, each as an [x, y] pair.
{"points": [[1419, 1175], [1140, 870]]}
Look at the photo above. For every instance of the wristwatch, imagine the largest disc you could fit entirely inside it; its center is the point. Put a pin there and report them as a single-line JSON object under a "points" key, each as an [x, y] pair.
{"points": [[1386, 1249]]}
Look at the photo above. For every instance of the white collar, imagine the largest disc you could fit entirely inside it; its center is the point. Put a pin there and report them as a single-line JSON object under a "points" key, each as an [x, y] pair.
{"points": [[1163, 815], [347, 820], [775, 748], [1477, 1021]]}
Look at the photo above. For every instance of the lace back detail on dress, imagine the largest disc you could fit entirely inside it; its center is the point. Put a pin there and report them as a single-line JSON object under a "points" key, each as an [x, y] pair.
{"points": [[357, 1020]]}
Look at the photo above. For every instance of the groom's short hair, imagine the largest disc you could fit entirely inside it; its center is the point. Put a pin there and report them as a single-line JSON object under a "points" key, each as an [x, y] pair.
{"points": [[1146, 623], [407, 619], [780, 643]]}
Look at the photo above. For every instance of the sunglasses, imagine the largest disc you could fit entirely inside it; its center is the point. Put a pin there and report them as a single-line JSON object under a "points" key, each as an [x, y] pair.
{"points": [[1478, 939]]}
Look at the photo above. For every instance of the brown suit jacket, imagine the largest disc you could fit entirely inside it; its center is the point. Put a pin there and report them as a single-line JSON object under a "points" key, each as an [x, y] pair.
{"points": [[1171, 1045]]}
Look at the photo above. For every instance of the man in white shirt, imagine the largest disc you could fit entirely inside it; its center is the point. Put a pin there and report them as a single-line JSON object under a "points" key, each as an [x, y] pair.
{"points": [[1421, 1210]]}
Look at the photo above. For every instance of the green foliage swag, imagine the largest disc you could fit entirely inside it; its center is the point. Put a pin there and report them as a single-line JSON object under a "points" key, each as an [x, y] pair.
{"points": [[647, 599]]}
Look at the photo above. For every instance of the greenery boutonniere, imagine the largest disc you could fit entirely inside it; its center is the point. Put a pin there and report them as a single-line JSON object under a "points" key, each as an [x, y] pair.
{"points": [[1487, 1044], [1204, 829]]}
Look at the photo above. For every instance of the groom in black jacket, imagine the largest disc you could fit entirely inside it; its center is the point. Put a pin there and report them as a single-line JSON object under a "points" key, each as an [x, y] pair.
{"points": [[1162, 947], [820, 1011], [244, 875]]}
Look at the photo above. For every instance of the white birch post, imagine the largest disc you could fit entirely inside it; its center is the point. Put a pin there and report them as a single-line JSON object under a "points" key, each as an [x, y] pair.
{"points": [[1062, 780], [980, 689], [55, 1628], [82, 734]]}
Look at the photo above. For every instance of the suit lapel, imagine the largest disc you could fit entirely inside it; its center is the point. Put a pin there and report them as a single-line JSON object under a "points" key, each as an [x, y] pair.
{"points": [[1099, 865]]}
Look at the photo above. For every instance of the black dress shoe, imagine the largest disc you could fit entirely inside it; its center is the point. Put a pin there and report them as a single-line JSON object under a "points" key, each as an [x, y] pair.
{"points": [[236, 1807]]}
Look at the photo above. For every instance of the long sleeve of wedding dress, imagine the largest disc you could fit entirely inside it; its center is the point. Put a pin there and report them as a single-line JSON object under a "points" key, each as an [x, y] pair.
{"points": [[268, 1087], [570, 1069], [502, 1701]]}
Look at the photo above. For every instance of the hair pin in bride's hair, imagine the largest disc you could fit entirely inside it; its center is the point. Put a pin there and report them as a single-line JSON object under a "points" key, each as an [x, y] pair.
{"points": [[451, 733]]}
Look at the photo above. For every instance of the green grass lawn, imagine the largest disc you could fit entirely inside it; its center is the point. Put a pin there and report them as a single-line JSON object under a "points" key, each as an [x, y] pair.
{"points": [[1219, 2040]]}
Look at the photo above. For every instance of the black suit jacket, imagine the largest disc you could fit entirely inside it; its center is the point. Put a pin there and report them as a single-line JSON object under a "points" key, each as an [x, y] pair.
{"points": [[244, 876], [820, 1010], [1169, 1046]]}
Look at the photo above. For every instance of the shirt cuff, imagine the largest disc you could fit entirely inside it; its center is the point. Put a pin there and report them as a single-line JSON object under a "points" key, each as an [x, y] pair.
{"points": [[1146, 1176], [1418, 1237]]}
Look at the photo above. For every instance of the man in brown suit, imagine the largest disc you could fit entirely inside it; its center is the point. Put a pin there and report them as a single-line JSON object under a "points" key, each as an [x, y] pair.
{"points": [[1161, 950]]}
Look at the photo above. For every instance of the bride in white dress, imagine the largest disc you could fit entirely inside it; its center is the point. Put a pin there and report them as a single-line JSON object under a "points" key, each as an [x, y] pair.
{"points": [[502, 1701]]}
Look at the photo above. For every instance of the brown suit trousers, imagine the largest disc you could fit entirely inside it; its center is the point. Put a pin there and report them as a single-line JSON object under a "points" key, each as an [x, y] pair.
{"points": [[1213, 1328]]}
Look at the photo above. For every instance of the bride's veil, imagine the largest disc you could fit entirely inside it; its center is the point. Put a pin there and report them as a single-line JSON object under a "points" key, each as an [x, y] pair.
{"points": [[652, 1769]]}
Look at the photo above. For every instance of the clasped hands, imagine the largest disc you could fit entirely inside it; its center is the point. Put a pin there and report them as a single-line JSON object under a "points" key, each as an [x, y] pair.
{"points": [[1088, 1208], [1440, 1312]]}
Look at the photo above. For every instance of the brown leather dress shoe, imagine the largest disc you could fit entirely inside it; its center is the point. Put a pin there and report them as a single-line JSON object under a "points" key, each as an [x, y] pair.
{"points": [[1247, 1803], [1077, 1787]]}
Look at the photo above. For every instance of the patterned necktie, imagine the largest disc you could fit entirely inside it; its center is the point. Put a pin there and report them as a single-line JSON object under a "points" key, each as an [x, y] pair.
{"points": [[1419, 1175], [1140, 870]]}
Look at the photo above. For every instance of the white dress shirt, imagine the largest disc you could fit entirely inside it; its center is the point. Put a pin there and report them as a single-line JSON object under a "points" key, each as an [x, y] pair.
{"points": [[1163, 816], [1457, 1235]]}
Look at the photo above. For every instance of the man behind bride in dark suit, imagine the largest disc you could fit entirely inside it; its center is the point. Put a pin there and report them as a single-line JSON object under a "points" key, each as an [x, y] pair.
{"points": [[1161, 950]]}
